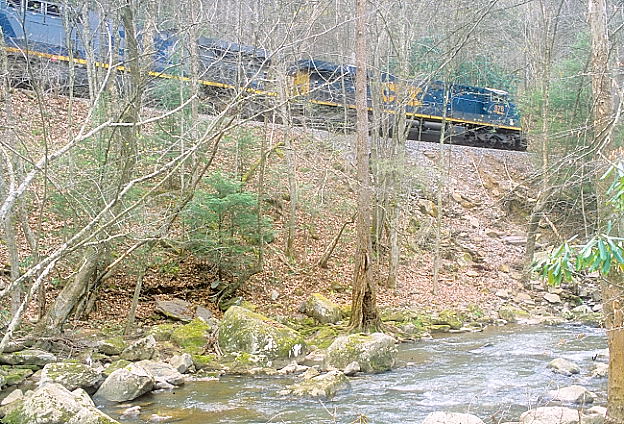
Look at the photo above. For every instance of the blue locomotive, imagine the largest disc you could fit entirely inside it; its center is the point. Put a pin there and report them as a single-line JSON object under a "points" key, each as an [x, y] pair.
{"points": [[40, 34]]}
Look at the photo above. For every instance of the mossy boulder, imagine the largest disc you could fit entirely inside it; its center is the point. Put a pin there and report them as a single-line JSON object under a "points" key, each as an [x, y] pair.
{"points": [[112, 346], [374, 353], [162, 332], [512, 315], [193, 336], [242, 330], [35, 357], [209, 362], [323, 386], [140, 350], [114, 366], [323, 337], [451, 318], [322, 309], [126, 384], [12, 376], [54, 404], [71, 376]]}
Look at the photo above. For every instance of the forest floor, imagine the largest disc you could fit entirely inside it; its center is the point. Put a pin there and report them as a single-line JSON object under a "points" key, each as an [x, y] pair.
{"points": [[482, 227]]}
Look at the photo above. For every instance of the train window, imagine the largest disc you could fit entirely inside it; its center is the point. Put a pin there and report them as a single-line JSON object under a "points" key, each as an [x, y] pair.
{"points": [[53, 9], [34, 6], [15, 3]]}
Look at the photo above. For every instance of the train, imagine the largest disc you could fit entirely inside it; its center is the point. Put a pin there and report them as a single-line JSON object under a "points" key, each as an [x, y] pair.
{"points": [[43, 38]]}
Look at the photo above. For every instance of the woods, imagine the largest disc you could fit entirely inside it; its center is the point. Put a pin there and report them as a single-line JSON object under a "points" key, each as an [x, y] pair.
{"points": [[267, 160]]}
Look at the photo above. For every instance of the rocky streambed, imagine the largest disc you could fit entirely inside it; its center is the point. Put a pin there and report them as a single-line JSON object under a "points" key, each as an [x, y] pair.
{"points": [[249, 368]]}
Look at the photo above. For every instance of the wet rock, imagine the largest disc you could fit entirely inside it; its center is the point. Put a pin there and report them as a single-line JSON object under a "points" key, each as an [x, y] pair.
{"points": [[551, 415], [28, 357], [375, 353], [451, 418], [322, 309], [193, 336], [242, 330], [563, 366], [126, 384], [511, 314], [131, 413], [450, 318], [112, 346], [176, 309], [552, 298], [71, 376], [572, 394], [310, 373], [600, 371], [162, 372], [322, 386], [182, 363], [54, 404], [352, 369]]}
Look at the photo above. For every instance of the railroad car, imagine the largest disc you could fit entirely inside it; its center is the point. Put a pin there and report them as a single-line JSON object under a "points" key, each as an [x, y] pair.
{"points": [[41, 39]]}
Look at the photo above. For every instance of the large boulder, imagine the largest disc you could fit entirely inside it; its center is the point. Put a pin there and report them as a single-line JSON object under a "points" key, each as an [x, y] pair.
{"points": [[572, 394], [126, 384], [181, 363], [248, 332], [28, 357], [71, 376], [551, 415], [112, 346], [451, 418], [322, 309], [322, 386], [140, 350], [563, 366], [374, 353], [54, 404]]}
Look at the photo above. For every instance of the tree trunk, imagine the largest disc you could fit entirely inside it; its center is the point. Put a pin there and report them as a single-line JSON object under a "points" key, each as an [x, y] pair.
{"points": [[613, 293], [364, 314]]}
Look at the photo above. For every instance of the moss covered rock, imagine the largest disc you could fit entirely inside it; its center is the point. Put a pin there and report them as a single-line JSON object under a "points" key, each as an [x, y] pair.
{"points": [[324, 337], [71, 376], [28, 357], [54, 404], [112, 346], [114, 366], [322, 309], [162, 332], [374, 353], [12, 376], [451, 318], [209, 362], [193, 336], [242, 330], [511, 314], [140, 350]]}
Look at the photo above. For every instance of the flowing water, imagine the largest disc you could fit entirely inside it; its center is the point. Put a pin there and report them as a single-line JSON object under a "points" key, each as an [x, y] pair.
{"points": [[496, 374]]}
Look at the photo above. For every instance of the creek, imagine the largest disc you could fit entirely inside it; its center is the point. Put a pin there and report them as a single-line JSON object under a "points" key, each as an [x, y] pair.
{"points": [[495, 374]]}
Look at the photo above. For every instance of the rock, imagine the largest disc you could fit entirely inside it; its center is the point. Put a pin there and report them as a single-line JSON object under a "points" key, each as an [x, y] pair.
{"points": [[112, 346], [352, 369], [162, 332], [550, 415], [13, 376], [511, 314], [375, 353], [427, 207], [594, 415], [242, 330], [163, 372], [182, 363], [600, 371], [572, 394], [450, 318], [515, 240], [563, 366], [131, 413], [176, 309], [316, 358], [28, 357], [114, 366], [203, 314], [274, 295], [552, 298], [193, 336], [71, 376], [451, 418], [155, 418], [140, 350], [322, 386], [524, 298], [126, 384], [322, 309], [502, 293], [54, 404], [310, 373], [14, 396]]}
